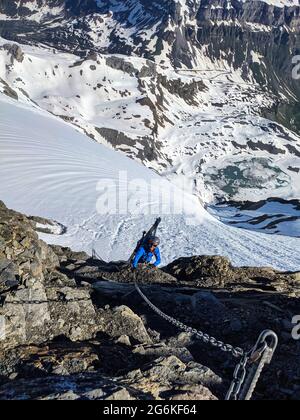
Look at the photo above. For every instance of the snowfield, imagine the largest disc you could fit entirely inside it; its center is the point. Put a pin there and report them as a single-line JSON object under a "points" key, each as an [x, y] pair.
{"points": [[271, 216], [211, 136], [280, 3], [49, 169]]}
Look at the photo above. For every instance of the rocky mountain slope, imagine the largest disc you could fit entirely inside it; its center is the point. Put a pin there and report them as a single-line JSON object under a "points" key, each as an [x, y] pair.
{"points": [[56, 332], [74, 328], [175, 31]]}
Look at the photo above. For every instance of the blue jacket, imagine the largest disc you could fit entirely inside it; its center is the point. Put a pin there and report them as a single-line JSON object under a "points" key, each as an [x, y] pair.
{"points": [[144, 256]]}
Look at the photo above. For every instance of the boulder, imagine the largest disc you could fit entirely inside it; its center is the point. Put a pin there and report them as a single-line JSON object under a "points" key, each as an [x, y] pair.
{"points": [[218, 272], [167, 377], [123, 321], [36, 314], [205, 270]]}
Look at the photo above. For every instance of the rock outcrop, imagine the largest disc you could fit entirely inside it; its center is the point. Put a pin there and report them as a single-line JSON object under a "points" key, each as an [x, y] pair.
{"points": [[218, 272], [15, 52], [42, 302]]}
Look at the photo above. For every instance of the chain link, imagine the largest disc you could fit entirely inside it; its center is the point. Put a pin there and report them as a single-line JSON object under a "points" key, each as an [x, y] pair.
{"points": [[239, 376], [227, 348]]}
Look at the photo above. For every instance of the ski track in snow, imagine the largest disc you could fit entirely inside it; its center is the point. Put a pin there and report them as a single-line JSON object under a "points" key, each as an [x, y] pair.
{"points": [[49, 169]]}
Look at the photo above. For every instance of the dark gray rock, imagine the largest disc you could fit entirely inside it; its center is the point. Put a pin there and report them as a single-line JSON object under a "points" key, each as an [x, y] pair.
{"points": [[167, 377], [15, 51], [218, 272], [123, 321], [8, 91], [76, 387], [8, 277], [119, 63], [201, 270]]}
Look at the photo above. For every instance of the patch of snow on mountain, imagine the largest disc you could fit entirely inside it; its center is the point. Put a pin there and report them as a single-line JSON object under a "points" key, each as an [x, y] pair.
{"points": [[273, 216], [278, 3]]}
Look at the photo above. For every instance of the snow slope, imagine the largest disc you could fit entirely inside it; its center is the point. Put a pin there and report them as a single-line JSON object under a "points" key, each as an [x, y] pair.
{"points": [[49, 169]]}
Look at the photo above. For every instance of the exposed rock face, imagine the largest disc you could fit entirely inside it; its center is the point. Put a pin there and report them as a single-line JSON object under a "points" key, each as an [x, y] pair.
{"points": [[43, 303], [146, 147], [121, 320], [158, 377], [79, 387], [15, 51], [40, 303], [204, 269], [19, 244], [123, 273], [215, 271], [119, 63], [162, 379], [8, 277], [7, 90]]}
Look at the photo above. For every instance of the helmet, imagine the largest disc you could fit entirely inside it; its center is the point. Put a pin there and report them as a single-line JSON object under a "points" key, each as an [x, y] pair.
{"points": [[154, 240]]}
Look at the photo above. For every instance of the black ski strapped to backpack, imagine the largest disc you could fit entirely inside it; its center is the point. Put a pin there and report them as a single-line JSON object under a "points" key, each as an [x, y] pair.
{"points": [[146, 235]]}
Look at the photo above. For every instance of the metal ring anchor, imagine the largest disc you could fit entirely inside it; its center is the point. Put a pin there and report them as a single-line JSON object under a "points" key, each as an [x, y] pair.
{"points": [[259, 356], [268, 339]]}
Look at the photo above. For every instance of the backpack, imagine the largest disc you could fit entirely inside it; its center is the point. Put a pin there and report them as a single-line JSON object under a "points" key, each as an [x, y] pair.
{"points": [[146, 235]]}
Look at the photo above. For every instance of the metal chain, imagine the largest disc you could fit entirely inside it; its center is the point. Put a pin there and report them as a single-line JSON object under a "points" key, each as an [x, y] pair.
{"points": [[228, 348], [239, 376], [243, 385]]}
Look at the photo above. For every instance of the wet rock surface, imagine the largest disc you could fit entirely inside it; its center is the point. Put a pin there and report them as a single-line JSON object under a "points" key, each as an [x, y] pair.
{"points": [[75, 327]]}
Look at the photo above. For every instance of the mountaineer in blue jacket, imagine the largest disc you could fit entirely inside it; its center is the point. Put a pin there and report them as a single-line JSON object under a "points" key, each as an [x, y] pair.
{"points": [[147, 251]]}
